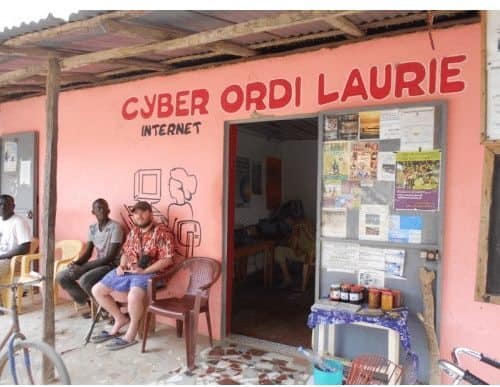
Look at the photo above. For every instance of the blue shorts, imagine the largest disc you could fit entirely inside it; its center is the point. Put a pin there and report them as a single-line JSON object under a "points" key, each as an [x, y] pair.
{"points": [[123, 283]]}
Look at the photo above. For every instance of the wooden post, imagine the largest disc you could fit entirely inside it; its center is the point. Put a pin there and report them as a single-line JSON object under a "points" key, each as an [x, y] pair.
{"points": [[427, 319], [49, 209]]}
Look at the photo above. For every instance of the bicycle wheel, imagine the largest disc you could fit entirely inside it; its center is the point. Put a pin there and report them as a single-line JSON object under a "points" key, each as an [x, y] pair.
{"points": [[36, 350]]}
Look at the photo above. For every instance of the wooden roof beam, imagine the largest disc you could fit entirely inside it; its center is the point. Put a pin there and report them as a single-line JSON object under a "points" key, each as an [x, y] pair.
{"points": [[137, 30], [160, 34], [345, 25], [140, 63]]}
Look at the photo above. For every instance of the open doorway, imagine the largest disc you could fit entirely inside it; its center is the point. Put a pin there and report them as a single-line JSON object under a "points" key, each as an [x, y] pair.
{"points": [[273, 194]]}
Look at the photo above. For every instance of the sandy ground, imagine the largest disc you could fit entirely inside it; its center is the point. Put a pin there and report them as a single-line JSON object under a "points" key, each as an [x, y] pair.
{"points": [[93, 363]]}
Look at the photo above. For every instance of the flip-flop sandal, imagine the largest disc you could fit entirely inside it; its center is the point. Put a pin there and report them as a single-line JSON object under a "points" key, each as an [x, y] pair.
{"points": [[102, 337], [119, 343]]}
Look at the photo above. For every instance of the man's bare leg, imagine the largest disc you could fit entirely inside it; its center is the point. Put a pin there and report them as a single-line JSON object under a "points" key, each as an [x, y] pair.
{"points": [[136, 298], [103, 297]]}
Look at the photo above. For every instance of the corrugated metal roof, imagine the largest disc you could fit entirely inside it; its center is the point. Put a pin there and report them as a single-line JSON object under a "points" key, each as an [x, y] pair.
{"points": [[93, 37], [48, 22]]}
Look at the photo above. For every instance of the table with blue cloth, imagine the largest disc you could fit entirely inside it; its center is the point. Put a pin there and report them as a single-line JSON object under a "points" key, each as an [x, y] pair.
{"points": [[324, 319]]}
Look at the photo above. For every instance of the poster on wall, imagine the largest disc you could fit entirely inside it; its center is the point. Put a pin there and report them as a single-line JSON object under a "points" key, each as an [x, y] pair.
{"points": [[334, 223], [373, 222], [364, 162], [331, 128], [243, 189], [10, 156], [493, 74], [336, 160], [390, 126], [257, 177], [371, 278], [386, 166], [394, 262], [417, 128], [417, 181], [348, 127], [405, 229], [369, 125], [339, 256], [341, 194]]}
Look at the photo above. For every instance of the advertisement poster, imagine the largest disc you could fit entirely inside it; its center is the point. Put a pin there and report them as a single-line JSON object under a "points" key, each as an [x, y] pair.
{"points": [[417, 181], [371, 278], [369, 125], [386, 166], [340, 256], [364, 162], [394, 262], [390, 126], [336, 160], [405, 229], [334, 223], [10, 156], [417, 129], [331, 128], [373, 222], [341, 193], [348, 127]]}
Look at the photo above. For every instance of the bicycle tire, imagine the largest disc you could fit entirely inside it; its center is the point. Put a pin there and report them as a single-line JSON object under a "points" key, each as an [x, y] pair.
{"points": [[43, 348]]}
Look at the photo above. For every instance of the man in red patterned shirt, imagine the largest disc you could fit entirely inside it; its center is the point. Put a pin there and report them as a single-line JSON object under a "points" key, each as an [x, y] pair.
{"points": [[149, 249]]}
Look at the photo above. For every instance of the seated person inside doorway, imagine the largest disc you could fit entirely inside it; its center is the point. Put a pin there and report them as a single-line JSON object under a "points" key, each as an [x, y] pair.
{"points": [[299, 247], [15, 233], [107, 237], [149, 249]]}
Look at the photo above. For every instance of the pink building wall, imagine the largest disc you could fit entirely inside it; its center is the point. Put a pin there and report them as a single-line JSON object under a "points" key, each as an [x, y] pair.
{"points": [[99, 151]]}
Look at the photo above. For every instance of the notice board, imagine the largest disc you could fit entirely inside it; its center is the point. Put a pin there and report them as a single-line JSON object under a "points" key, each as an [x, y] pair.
{"points": [[381, 185]]}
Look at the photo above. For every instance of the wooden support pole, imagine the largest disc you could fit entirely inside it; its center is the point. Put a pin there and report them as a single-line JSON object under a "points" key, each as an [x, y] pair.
{"points": [[427, 319], [49, 208]]}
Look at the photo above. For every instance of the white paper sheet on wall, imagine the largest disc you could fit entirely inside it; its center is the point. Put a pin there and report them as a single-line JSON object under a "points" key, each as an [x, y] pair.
{"points": [[390, 127], [417, 129], [25, 172], [339, 256]]}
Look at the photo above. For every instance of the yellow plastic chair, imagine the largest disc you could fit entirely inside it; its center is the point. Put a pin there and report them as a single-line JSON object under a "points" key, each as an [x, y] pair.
{"points": [[16, 271], [68, 250]]}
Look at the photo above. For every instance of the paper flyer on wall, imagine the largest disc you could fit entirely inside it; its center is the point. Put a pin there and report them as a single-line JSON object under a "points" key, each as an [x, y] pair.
{"points": [[492, 37], [373, 222], [386, 166], [341, 193], [348, 127], [334, 223], [371, 278], [364, 162], [339, 256], [369, 125], [417, 181], [493, 102], [405, 229], [390, 127], [331, 128], [10, 156], [417, 129], [25, 172], [371, 258], [394, 262], [336, 155]]}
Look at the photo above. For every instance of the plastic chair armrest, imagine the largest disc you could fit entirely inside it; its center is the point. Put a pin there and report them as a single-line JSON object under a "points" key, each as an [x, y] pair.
{"points": [[27, 260]]}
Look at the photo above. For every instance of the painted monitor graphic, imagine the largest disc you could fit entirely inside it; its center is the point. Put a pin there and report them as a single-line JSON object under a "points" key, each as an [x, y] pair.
{"points": [[147, 185]]}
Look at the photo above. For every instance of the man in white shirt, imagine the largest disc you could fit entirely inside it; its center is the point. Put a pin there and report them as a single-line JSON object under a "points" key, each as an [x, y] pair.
{"points": [[15, 233]]}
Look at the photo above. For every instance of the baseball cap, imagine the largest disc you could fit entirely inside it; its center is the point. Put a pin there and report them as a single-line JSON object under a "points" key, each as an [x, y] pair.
{"points": [[143, 206]]}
